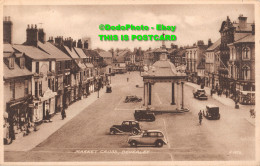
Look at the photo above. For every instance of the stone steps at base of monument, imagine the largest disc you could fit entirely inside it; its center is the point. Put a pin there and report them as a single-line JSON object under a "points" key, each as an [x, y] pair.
{"points": [[176, 111]]}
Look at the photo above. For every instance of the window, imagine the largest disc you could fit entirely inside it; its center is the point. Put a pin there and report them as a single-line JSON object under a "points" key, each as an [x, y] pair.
{"points": [[58, 66], [152, 134], [49, 83], [53, 85], [22, 62], [50, 67], [246, 53], [56, 84], [126, 123], [40, 88], [36, 89], [11, 62], [12, 89], [26, 89], [246, 73], [37, 67]]}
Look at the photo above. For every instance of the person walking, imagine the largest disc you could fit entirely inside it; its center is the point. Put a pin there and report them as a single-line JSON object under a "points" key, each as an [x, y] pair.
{"points": [[63, 114], [226, 93], [200, 117], [211, 92]]}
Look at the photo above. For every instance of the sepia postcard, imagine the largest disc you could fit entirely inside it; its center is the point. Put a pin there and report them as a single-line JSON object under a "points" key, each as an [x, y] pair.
{"points": [[130, 82]]}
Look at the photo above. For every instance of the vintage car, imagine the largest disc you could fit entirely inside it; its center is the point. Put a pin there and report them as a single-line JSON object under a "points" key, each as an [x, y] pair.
{"points": [[148, 137], [126, 126], [144, 115], [108, 89], [132, 99], [212, 112], [200, 94]]}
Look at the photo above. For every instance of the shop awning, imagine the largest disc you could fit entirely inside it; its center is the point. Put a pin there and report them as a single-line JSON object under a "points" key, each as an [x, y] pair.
{"points": [[48, 94]]}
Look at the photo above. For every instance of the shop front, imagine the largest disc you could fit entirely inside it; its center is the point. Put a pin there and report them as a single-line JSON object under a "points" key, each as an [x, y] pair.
{"points": [[19, 115], [47, 102]]}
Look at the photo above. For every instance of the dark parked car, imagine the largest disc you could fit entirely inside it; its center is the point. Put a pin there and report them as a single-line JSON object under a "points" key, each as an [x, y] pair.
{"points": [[212, 112], [126, 126], [148, 137], [200, 94], [144, 115], [132, 99]]}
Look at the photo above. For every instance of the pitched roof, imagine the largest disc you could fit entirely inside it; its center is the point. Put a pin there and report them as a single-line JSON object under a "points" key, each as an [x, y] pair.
{"points": [[214, 45], [71, 52], [91, 53], [106, 54], [33, 52], [81, 65], [8, 48], [16, 72], [239, 36], [53, 51], [247, 39], [80, 52]]}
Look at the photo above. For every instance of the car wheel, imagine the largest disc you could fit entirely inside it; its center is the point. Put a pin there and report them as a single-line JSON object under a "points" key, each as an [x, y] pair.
{"points": [[159, 143], [133, 143], [112, 132]]}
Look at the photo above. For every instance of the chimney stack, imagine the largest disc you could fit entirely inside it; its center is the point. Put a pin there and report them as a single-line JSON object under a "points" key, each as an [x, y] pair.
{"points": [[68, 42], [59, 41], [200, 43], [86, 44], [7, 30], [209, 43], [79, 44], [41, 35], [32, 35], [74, 43], [51, 40], [242, 21]]}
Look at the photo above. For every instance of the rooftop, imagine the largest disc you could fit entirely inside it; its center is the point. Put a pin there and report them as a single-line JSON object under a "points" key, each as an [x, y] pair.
{"points": [[33, 52]]}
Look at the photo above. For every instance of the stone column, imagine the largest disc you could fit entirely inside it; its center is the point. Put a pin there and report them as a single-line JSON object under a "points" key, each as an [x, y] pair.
{"points": [[177, 95], [173, 97], [144, 93], [147, 93], [182, 95], [150, 93]]}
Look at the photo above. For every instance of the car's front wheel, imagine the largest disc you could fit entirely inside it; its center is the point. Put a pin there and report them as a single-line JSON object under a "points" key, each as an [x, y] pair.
{"points": [[159, 143], [133, 143]]}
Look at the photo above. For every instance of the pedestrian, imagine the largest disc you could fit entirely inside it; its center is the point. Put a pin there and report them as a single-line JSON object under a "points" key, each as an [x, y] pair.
{"points": [[200, 117], [127, 79], [63, 114], [226, 93], [48, 115], [211, 92]]}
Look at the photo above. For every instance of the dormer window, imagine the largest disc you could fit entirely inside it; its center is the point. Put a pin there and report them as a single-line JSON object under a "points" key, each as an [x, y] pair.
{"points": [[11, 62]]}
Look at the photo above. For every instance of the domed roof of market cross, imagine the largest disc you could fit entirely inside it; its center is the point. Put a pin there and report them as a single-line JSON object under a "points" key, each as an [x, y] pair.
{"points": [[163, 68]]}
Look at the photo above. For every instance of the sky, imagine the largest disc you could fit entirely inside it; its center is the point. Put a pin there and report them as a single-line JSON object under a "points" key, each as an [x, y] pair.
{"points": [[193, 22]]}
